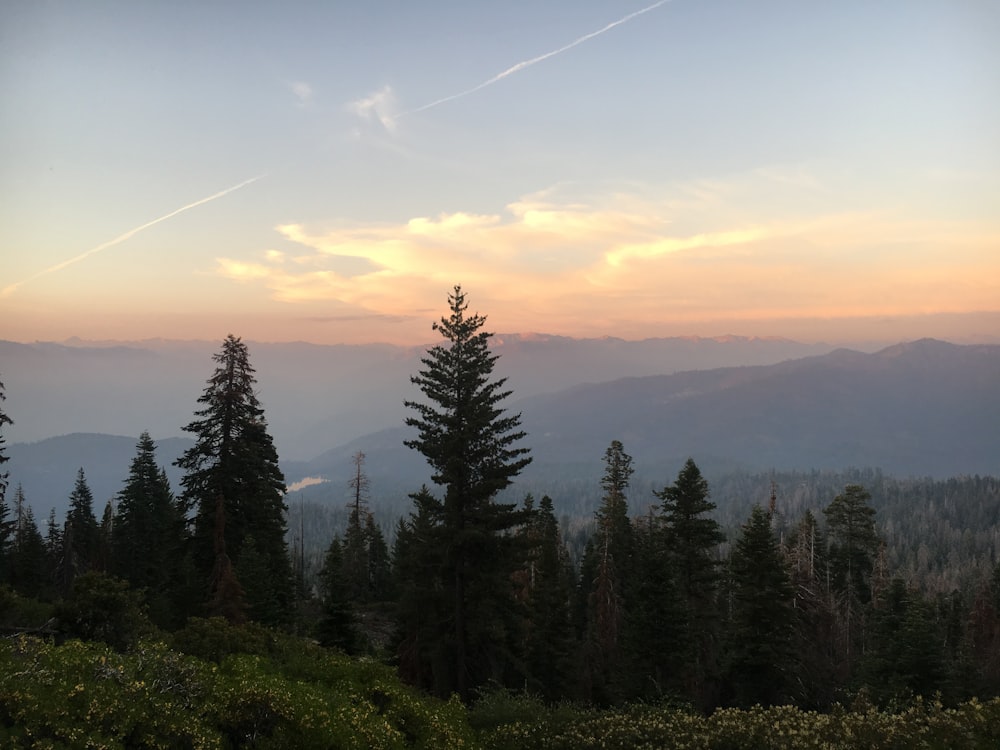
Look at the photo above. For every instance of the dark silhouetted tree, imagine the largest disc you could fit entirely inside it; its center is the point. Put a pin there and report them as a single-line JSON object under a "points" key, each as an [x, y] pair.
{"points": [[29, 569], [547, 588], [337, 627], [233, 470], [759, 642], [82, 532], [854, 544], [148, 540], [4, 458], [693, 538], [612, 552], [471, 445]]}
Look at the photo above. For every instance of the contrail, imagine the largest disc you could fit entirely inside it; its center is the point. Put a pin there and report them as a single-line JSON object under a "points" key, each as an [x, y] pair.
{"points": [[8, 290], [528, 63]]}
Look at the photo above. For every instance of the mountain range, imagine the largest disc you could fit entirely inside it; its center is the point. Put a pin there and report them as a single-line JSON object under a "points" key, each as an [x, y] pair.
{"points": [[924, 408]]}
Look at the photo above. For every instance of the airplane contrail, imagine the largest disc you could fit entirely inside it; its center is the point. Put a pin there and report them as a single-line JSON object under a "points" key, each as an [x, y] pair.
{"points": [[528, 63], [10, 289]]}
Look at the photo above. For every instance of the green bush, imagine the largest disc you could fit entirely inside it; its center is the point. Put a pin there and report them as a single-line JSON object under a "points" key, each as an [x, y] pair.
{"points": [[88, 695]]}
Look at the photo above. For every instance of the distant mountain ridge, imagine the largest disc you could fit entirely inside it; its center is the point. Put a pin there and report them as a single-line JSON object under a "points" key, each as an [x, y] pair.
{"points": [[314, 396], [923, 408]]}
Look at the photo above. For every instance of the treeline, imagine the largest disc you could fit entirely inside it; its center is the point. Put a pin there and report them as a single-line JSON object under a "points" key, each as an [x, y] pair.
{"points": [[806, 603]]}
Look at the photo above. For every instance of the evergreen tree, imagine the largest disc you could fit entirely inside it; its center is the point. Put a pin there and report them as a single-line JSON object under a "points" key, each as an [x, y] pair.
{"points": [[4, 458], [148, 540], [815, 678], [354, 550], [29, 562], [853, 542], [548, 580], [232, 471], [653, 624], [693, 539], [55, 569], [379, 568], [759, 642], [337, 627], [470, 444], [81, 535], [422, 603], [105, 539], [904, 657], [853, 547], [8, 534], [606, 597]]}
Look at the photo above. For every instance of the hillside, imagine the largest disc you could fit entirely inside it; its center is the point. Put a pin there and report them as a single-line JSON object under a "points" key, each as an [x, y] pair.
{"points": [[925, 408]]}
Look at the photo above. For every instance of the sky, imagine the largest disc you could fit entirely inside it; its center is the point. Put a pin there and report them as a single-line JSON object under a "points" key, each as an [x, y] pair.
{"points": [[329, 171]]}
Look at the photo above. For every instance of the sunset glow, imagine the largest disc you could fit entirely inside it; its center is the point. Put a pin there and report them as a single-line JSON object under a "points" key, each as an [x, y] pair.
{"points": [[327, 173]]}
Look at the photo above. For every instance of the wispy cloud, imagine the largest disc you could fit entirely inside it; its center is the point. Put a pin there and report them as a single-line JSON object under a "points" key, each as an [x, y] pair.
{"points": [[524, 64], [303, 92], [694, 252], [11, 288], [379, 106]]}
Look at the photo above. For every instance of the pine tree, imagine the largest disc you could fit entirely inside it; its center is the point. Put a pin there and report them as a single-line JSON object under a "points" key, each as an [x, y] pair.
{"points": [[613, 549], [354, 550], [548, 581], [815, 678], [81, 535], [422, 603], [8, 534], [759, 636], [4, 458], [653, 624], [105, 539], [148, 540], [471, 446], [379, 567], [29, 562], [54, 543], [337, 627], [693, 540], [853, 547], [233, 470]]}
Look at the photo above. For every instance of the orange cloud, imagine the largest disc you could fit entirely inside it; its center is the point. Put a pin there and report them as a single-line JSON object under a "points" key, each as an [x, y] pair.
{"points": [[555, 261]]}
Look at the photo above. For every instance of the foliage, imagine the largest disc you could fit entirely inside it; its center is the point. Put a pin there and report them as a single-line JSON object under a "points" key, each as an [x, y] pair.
{"points": [[234, 485], [759, 633], [102, 608], [4, 458], [148, 534], [974, 725], [471, 446], [80, 538], [85, 695]]}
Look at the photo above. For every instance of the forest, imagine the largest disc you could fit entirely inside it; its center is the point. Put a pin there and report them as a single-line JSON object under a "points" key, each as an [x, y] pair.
{"points": [[859, 606]]}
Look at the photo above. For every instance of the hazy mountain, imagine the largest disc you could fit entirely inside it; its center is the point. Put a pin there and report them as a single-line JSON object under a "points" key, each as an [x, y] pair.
{"points": [[314, 396], [920, 409], [47, 469], [925, 408]]}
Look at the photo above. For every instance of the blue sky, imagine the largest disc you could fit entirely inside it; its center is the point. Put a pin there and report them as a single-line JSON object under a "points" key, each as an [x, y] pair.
{"points": [[584, 168]]}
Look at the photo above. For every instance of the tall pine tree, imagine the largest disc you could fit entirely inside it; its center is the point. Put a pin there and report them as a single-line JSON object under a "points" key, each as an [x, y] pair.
{"points": [[471, 445], [6, 526], [611, 561], [4, 458], [81, 537], [760, 627], [148, 538], [853, 544], [693, 539], [233, 483]]}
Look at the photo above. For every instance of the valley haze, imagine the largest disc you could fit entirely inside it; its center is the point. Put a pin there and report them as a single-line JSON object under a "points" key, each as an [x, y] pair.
{"points": [[923, 408]]}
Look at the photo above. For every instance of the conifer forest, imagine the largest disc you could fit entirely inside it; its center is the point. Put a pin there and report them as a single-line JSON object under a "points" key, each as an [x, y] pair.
{"points": [[862, 612]]}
